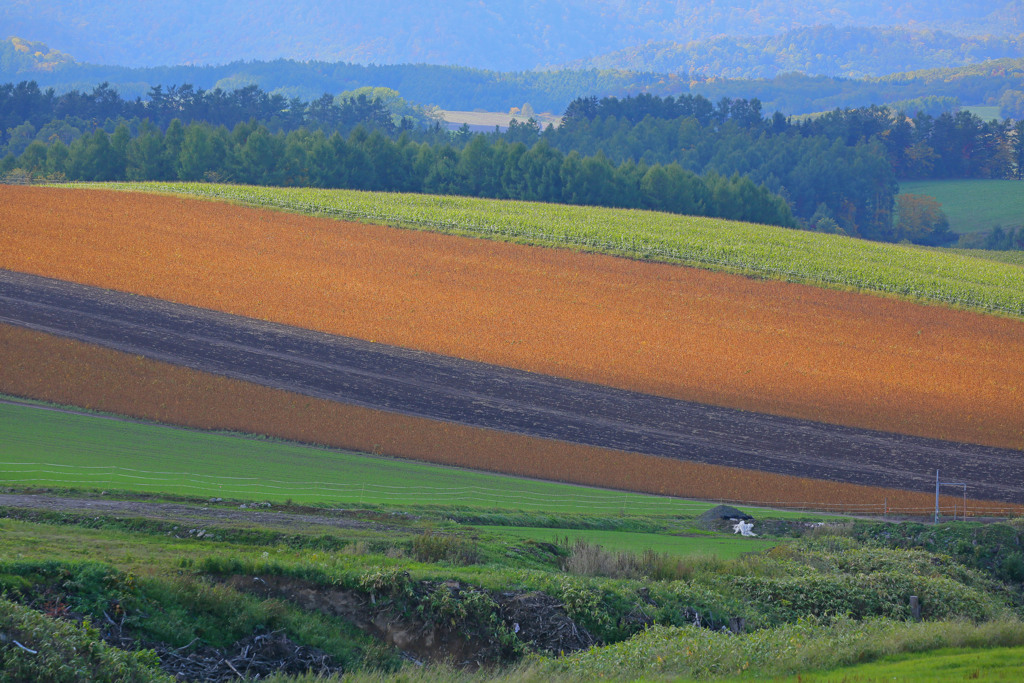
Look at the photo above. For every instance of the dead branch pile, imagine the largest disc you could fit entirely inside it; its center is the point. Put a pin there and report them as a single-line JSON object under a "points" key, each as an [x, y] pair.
{"points": [[541, 620], [251, 658]]}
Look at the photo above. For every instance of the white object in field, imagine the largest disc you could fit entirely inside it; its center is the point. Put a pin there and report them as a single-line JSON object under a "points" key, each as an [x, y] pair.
{"points": [[743, 528]]}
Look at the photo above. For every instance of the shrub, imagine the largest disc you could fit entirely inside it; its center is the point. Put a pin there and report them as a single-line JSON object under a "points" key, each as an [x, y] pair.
{"points": [[431, 547], [65, 651]]}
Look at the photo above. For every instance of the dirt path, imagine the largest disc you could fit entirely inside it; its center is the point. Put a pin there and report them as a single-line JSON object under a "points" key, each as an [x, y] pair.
{"points": [[191, 515]]}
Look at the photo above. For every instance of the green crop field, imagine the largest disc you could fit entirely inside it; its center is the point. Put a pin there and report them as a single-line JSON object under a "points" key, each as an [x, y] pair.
{"points": [[974, 205], [1012, 257], [780, 253], [43, 446]]}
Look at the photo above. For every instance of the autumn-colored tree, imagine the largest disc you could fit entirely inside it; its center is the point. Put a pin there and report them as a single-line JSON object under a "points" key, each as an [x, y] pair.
{"points": [[921, 220]]}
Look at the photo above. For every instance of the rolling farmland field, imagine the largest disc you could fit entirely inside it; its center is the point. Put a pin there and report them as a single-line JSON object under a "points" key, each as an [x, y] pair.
{"points": [[764, 251], [685, 333], [512, 405], [480, 396], [658, 329]]}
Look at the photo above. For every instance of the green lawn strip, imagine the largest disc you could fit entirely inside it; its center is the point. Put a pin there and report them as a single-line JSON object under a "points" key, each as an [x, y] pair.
{"points": [[723, 546], [49, 447], [766, 251], [44, 447], [974, 205], [994, 664]]}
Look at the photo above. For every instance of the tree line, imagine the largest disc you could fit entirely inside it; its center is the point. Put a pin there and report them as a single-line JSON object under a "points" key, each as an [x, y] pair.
{"points": [[486, 166], [28, 112], [837, 172]]}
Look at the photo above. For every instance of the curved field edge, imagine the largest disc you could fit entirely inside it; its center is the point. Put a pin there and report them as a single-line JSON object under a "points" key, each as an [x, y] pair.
{"points": [[766, 251], [64, 371]]}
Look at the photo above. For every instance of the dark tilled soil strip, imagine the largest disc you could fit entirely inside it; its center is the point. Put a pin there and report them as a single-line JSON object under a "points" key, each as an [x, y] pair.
{"points": [[449, 389]]}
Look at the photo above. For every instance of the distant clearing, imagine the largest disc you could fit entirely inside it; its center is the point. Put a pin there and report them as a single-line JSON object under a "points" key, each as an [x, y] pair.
{"points": [[986, 113], [490, 119], [974, 205], [765, 346]]}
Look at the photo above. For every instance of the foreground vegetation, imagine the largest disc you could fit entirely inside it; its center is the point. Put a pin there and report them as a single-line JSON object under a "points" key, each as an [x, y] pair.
{"points": [[114, 586], [828, 260], [810, 604]]}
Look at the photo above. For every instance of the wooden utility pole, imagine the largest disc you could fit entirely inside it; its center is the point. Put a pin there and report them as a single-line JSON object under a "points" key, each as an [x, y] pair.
{"points": [[946, 483]]}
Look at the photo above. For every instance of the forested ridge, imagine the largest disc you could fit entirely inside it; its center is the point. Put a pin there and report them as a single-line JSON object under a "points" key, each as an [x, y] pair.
{"points": [[992, 83], [835, 173], [826, 50]]}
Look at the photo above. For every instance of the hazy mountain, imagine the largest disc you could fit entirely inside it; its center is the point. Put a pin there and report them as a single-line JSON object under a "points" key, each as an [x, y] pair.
{"points": [[851, 51], [479, 33]]}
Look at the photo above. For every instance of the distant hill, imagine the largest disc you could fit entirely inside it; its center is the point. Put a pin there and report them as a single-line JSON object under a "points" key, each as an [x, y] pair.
{"points": [[851, 51], [995, 84], [505, 36]]}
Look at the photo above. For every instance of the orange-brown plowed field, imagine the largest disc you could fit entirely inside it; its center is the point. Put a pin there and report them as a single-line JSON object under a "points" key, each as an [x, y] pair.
{"points": [[67, 371], [685, 333]]}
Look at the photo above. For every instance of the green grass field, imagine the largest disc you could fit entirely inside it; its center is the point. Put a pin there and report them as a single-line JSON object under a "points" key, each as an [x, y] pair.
{"points": [[47, 447], [724, 547], [778, 253], [974, 205], [996, 664]]}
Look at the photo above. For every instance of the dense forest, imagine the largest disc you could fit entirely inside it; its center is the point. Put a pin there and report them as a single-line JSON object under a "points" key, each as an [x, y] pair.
{"points": [[248, 136], [837, 172], [993, 83], [487, 34]]}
